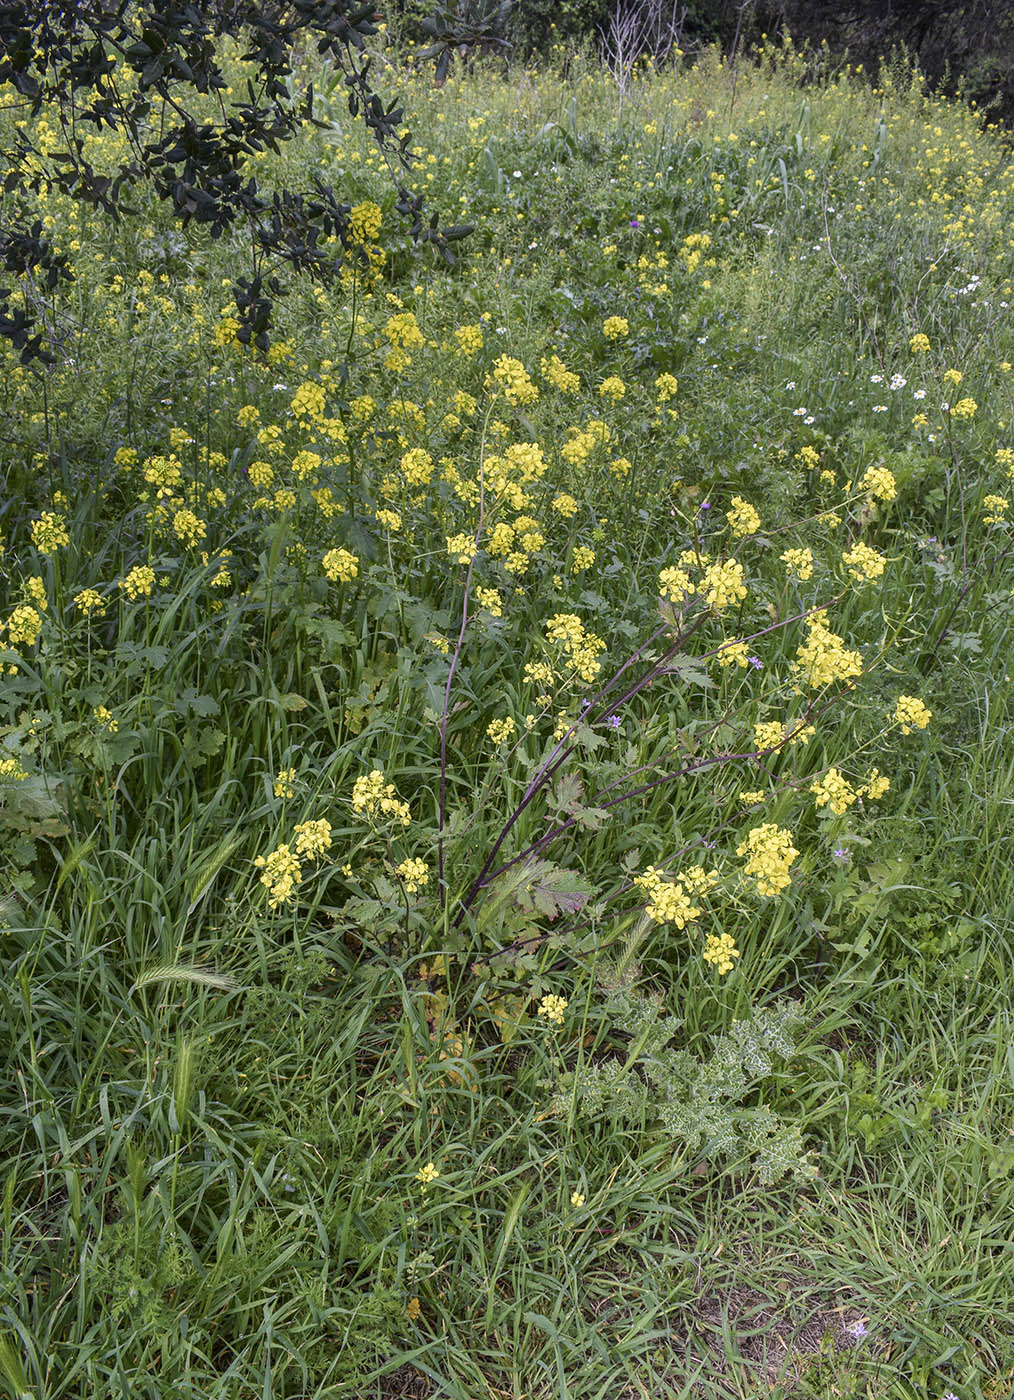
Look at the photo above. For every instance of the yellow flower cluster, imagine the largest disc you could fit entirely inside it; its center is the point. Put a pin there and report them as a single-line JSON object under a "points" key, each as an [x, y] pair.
{"points": [[89, 601], [674, 585], [24, 626], [582, 558], [798, 562], [415, 874], [188, 529], [313, 838], [49, 532], [722, 584], [340, 566], [139, 582], [770, 852], [469, 339], [403, 333], [880, 483], [583, 648], [556, 373], [864, 563], [307, 402], [281, 874], [500, 730], [582, 442], [612, 388], [768, 734], [305, 465], [666, 386], [734, 654], [835, 791], [164, 473], [698, 880], [743, 518], [823, 657], [512, 376], [284, 783], [997, 506], [911, 714], [364, 222], [553, 1007], [372, 797], [417, 466], [720, 950], [964, 408], [919, 343], [11, 770], [669, 902], [876, 785], [538, 673], [491, 600], [615, 327], [282, 870], [461, 548]]}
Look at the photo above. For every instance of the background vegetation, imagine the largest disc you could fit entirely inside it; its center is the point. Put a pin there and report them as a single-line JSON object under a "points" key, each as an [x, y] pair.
{"points": [[398, 997], [963, 49]]}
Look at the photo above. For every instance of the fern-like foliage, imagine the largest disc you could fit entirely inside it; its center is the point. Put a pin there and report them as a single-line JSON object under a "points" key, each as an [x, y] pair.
{"points": [[698, 1102]]}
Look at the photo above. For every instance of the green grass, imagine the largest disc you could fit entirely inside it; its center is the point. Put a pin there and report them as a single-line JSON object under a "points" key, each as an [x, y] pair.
{"points": [[220, 1110]]}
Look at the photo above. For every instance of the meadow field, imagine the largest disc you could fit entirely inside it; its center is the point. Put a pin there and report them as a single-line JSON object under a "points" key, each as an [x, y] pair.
{"points": [[507, 797]]}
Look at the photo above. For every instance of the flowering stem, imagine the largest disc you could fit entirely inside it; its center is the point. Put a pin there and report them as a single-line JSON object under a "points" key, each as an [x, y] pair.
{"points": [[455, 658], [557, 757]]}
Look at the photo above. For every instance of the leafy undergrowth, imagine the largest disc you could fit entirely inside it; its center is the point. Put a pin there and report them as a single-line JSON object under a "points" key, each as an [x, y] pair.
{"points": [[505, 798]]}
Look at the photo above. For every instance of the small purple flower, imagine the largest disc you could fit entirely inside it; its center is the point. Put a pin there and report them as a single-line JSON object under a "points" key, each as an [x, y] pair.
{"points": [[614, 721], [585, 705], [755, 662], [705, 505], [635, 223], [842, 853], [950, 1396], [859, 1330]]}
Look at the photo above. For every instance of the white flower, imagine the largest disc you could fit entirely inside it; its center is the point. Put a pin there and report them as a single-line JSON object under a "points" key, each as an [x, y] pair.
{"points": [[798, 412], [808, 418], [898, 381], [876, 379], [880, 408], [791, 384], [919, 393]]}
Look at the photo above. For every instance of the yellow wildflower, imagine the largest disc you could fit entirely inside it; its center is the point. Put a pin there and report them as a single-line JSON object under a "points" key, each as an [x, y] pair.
{"points": [[553, 1007], [340, 566], [720, 950], [910, 713]]}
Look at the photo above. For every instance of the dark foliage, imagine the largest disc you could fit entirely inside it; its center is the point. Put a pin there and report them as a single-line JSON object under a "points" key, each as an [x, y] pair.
{"points": [[965, 48], [117, 64], [960, 48]]}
